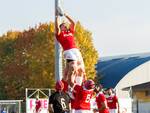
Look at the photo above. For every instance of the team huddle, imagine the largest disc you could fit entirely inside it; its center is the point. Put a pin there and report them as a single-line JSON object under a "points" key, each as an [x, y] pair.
{"points": [[75, 92]]}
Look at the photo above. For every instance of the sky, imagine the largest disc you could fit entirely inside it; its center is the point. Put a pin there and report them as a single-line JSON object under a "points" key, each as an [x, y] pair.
{"points": [[118, 27]]}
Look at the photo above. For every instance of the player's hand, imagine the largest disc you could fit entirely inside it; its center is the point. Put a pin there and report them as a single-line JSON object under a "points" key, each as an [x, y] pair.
{"points": [[59, 11], [65, 14], [119, 111], [94, 110]]}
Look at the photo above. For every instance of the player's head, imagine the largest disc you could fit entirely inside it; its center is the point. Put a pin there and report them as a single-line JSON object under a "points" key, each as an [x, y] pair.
{"points": [[98, 88], [63, 26], [89, 84], [109, 91], [37, 97], [59, 86]]}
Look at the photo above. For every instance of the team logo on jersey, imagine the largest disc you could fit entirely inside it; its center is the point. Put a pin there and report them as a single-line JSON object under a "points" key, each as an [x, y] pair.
{"points": [[110, 100], [69, 34]]}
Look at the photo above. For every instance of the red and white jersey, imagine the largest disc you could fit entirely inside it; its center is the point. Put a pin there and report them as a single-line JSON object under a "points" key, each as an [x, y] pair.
{"points": [[100, 98], [38, 105], [112, 101], [66, 39], [82, 98]]}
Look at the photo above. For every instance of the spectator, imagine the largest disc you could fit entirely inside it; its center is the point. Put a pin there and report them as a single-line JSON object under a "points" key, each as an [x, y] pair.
{"points": [[37, 105]]}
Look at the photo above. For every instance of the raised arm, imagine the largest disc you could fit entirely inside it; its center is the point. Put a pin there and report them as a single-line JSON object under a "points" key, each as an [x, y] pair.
{"points": [[57, 26], [72, 23]]}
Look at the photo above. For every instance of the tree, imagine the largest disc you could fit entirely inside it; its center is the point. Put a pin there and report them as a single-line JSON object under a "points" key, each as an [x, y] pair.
{"points": [[89, 53], [27, 58]]}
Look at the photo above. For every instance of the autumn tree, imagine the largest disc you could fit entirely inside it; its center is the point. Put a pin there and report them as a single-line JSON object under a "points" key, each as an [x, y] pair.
{"points": [[28, 58], [90, 55]]}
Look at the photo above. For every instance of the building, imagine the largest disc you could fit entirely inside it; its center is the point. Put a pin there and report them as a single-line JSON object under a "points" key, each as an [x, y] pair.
{"points": [[130, 76]]}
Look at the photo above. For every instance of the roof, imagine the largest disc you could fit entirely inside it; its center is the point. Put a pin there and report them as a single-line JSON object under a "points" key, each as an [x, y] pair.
{"points": [[113, 69], [139, 87]]}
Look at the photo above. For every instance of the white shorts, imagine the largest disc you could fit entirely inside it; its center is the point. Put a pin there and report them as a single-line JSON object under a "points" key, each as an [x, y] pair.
{"points": [[83, 111], [79, 80], [72, 110], [74, 54], [113, 110]]}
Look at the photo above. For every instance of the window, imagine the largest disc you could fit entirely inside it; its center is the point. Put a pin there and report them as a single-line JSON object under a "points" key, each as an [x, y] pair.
{"points": [[147, 93]]}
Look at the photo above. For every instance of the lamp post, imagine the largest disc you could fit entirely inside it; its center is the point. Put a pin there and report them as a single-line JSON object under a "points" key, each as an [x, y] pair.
{"points": [[58, 49]]}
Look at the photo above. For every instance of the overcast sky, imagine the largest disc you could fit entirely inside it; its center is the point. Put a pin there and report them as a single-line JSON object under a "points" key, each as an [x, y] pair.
{"points": [[118, 26]]}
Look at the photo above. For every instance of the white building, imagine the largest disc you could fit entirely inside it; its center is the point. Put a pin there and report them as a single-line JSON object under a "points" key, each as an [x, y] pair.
{"points": [[130, 76]]}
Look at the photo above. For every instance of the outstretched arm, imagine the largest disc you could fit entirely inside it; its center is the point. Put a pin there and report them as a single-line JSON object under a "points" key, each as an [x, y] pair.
{"points": [[57, 26], [72, 23]]}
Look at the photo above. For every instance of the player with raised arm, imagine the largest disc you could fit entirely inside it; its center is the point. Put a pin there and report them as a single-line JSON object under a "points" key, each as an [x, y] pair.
{"points": [[74, 70]]}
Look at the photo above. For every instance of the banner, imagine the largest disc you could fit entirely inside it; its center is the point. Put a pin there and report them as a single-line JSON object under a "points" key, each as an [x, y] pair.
{"points": [[125, 105], [37, 106]]}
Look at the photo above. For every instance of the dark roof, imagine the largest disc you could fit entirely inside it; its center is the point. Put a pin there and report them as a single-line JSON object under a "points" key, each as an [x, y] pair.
{"points": [[113, 69], [140, 87]]}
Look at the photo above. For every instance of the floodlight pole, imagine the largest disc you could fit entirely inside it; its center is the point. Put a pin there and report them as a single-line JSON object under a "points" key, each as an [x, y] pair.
{"points": [[58, 50]]}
